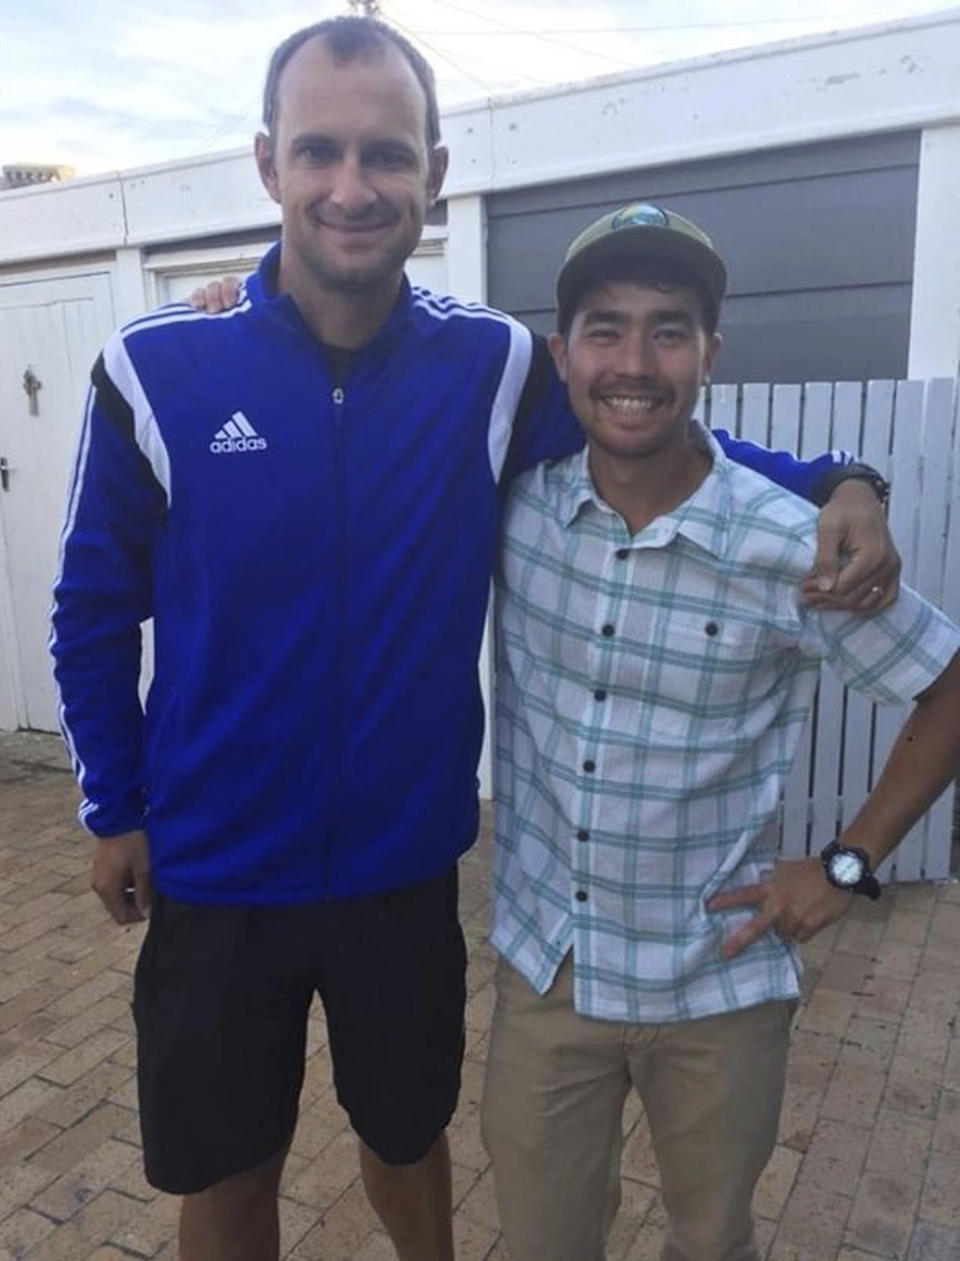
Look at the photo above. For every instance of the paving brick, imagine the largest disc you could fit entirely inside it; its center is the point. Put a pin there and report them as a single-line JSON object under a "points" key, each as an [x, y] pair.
{"points": [[319, 1125], [900, 1142], [940, 1198], [76, 1143], [86, 1179], [67, 1105], [71, 1032], [23, 1102], [776, 1182], [19, 1184], [909, 927], [341, 1230], [913, 1085], [883, 998], [144, 1231], [71, 1065], [33, 998], [835, 1157], [325, 1179], [24, 1228], [813, 1057], [813, 1221], [91, 1227], [859, 937], [828, 1012], [854, 1095], [798, 1115], [635, 1202], [882, 1217], [931, 1242], [637, 1160], [25, 1062], [868, 1043], [24, 1139]]}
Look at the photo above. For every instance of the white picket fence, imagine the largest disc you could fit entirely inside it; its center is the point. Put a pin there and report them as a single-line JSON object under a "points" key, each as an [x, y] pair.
{"points": [[909, 430]]}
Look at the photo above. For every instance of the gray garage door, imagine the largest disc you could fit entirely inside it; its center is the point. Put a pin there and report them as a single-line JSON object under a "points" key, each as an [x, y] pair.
{"points": [[818, 240]]}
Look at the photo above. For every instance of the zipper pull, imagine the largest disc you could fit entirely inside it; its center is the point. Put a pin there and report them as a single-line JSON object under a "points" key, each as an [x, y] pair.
{"points": [[338, 396]]}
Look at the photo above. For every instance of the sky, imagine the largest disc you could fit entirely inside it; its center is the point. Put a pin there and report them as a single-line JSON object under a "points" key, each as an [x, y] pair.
{"points": [[113, 84]]}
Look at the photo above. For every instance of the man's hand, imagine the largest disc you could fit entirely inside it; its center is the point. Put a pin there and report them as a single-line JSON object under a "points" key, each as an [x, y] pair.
{"points": [[857, 568], [121, 876], [217, 296], [797, 901]]}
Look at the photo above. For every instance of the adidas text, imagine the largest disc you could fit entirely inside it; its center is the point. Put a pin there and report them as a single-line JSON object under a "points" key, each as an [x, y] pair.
{"points": [[220, 445]]}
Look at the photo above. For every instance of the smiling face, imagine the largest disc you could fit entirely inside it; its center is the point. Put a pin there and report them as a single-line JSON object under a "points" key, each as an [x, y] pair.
{"points": [[348, 163], [633, 361]]}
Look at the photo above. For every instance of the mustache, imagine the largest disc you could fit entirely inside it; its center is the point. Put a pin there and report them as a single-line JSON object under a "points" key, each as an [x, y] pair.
{"points": [[629, 385], [371, 217]]}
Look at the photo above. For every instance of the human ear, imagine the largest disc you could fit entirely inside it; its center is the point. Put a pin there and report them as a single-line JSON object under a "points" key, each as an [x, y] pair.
{"points": [[557, 345], [263, 153], [438, 160]]}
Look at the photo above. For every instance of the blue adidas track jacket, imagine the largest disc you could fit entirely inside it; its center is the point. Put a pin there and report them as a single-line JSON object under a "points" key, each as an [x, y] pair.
{"points": [[316, 560]]}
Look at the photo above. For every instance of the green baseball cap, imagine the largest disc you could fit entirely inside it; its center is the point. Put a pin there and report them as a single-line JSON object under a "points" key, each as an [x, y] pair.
{"points": [[640, 232]]}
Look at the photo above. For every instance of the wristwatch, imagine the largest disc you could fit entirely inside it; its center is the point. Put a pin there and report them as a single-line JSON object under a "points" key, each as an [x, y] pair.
{"points": [[848, 868], [855, 471]]}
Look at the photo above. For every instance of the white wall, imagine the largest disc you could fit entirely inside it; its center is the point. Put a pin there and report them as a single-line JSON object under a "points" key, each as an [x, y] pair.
{"points": [[935, 311]]}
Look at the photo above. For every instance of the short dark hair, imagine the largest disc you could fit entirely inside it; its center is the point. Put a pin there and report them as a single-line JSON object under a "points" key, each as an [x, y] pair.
{"points": [[346, 39], [646, 272]]}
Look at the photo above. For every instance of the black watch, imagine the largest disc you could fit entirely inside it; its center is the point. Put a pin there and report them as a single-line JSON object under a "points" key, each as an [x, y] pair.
{"points": [[849, 869], [855, 471]]}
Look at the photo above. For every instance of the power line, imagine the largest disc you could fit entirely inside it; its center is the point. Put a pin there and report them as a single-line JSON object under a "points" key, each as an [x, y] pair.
{"points": [[451, 61], [627, 30], [548, 39]]}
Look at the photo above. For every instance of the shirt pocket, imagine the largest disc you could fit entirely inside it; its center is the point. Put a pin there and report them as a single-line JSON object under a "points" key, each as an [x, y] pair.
{"points": [[701, 674]]}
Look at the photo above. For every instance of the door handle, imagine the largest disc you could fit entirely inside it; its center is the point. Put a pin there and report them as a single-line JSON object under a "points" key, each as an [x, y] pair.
{"points": [[5, 471]]}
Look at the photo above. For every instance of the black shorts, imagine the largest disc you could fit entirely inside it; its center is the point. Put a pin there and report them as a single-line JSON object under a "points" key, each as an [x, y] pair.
{"points": [[221, 997]]}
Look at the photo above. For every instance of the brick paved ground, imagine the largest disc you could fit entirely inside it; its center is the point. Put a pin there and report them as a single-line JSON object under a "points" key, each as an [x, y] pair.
{"points": [[868, 1163]]}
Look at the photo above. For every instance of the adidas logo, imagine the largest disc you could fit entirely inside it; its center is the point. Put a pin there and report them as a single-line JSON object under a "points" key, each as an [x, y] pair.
{"points": [[237, 435]]}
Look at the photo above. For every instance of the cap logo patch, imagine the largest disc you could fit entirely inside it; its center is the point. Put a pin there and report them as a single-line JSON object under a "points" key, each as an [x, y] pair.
{"points": [[649, 216]]}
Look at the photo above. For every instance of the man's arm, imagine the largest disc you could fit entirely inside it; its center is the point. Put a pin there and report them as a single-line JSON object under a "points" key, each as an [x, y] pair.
{"points": [[102, 594], [797, 900], [857, 564]]}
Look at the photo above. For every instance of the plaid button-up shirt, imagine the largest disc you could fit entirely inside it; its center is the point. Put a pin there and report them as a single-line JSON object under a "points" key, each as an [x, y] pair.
{"points": [[651, 693]]}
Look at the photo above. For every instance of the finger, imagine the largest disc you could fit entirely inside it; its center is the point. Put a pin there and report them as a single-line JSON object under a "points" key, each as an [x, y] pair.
{"points": [[198, 299], [750, 933], [859, 590], [112, 893], [230, 289], [827, 561], [749, 895], [214, 298], [142, 892]]}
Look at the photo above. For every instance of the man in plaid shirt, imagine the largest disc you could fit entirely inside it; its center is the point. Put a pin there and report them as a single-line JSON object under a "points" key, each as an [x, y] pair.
{"points": [[655, 673]]}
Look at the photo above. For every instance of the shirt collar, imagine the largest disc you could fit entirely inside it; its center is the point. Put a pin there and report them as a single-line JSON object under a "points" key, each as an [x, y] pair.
{"points": [[704, 518]]}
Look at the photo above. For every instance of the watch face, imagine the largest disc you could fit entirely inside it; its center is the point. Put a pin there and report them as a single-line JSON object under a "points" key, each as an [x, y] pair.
{"points": [[846, 869]]}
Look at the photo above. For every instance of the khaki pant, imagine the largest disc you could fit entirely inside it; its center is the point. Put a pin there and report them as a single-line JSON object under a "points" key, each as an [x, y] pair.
{"points": [[553, 1103]]}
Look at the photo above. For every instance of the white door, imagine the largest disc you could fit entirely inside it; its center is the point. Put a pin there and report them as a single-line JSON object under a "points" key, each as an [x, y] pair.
{"points": [[50, 333]]}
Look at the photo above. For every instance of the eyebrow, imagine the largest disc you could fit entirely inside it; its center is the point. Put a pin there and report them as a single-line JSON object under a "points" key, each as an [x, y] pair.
{"points": [[669, 315]]}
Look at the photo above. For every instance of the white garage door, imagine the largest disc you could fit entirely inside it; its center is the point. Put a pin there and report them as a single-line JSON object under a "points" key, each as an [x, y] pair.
{"points": [[50, 333]]}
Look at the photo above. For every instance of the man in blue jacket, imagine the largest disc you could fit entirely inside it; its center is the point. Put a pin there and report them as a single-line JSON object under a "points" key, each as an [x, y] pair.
{"points": [[304, 494]]}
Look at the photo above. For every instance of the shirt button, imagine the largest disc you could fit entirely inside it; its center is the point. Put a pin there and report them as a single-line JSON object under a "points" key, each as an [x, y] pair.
{"points": [[589, 765], [583, 834], [711, 628], [608, 629], [623, 553], [599, 694], [580, 895]]}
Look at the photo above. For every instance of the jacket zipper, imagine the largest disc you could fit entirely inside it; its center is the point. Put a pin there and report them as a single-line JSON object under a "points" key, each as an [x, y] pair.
{"points": [[333, 846]]}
